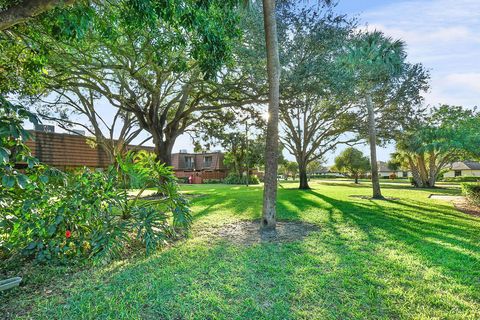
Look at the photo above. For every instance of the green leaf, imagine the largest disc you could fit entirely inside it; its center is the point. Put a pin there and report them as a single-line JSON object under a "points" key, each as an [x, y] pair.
{"points": [[51, 229], [22, 181], [4, 155], [8, 181]]}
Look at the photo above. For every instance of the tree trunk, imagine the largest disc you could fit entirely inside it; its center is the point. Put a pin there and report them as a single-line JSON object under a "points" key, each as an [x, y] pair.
{"points": [[302, 169], [21, 12], [372, 137], [356, 177], [422, 170], [271, 146], [415, 173], [432, 169], [163, 151]]}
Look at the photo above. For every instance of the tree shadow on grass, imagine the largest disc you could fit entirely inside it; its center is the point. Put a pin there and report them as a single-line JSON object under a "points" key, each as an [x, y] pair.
{"points": [[448, 243], [370, 259]]}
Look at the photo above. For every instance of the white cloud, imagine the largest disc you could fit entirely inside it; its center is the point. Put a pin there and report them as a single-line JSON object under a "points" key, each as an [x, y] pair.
{"points": [[468, 80], [444, 35]]}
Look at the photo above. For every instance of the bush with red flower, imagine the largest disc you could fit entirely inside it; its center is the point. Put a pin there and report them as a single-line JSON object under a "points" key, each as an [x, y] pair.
{"points": [[51, 215]]}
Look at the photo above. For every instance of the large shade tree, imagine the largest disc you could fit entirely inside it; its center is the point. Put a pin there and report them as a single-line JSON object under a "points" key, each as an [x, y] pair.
{"points": [[315, 113], [158, 72]]}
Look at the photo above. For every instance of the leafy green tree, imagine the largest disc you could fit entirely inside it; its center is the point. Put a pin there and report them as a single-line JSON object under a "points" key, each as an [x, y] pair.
{"points": [[374, 60], [313, 110], [394, 165], [446, 134], [353, 162], [13, 148], [136, 70]]}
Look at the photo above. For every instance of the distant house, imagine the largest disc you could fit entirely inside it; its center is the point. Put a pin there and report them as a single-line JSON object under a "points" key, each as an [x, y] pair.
{"points": [[199, 166], [69, 151], [384, 171], [324, 171], [463, 169]]}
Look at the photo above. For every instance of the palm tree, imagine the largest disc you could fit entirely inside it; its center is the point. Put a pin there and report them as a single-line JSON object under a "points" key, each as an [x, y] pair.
{"points": [[374, 60], [271, 146]]}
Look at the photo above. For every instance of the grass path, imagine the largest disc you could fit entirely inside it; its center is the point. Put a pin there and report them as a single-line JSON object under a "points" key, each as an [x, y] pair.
{"points": [[412, 258]]}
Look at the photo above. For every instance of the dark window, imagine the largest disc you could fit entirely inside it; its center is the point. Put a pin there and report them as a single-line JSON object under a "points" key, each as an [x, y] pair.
{"points": [[458, 173], [207, 162], [189, 162]]}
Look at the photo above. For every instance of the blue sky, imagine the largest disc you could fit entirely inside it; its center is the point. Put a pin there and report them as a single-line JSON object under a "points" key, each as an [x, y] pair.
{"points": [[444, 35]]}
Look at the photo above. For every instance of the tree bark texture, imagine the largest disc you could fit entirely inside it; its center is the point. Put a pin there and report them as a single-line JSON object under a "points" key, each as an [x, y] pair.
{"points": [[372, 137], [271, 148], [27, 9]]}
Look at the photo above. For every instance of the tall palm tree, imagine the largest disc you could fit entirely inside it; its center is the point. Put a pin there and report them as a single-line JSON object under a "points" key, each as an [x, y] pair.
{"points": [[271, 146], [375, 60]]}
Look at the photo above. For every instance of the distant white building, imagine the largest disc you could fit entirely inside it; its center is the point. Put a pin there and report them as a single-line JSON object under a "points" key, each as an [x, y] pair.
{"points": [[384, 171], [463, 169]]}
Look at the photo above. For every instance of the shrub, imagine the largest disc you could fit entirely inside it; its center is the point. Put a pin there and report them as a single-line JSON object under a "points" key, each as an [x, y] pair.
{"points": [[392, 176], [212, 181], [326, 176], [234, 178], [87, 215], [183, 180], [462, 179], [472, 192]]}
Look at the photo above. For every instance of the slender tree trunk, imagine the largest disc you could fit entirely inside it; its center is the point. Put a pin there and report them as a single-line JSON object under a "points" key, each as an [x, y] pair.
{"points": [[432, 169], [271, 146], [356, 177], [422, 170], [377, 194], [415, 173]]}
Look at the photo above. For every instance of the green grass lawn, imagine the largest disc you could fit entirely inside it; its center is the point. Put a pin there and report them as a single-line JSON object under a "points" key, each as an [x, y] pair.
{"points": [[411, 258]]}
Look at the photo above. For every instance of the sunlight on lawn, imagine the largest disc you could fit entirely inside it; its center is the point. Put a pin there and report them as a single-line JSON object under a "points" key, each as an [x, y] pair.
{"points": [[410, 258]]}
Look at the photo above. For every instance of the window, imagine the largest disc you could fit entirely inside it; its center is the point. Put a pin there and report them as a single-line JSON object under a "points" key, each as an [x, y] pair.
{"points": [[207, 162], [458, 173], [189, 162]]}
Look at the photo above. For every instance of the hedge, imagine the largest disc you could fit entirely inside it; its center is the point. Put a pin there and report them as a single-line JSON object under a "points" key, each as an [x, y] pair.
{"points": [[472, 192], [462, 179]]}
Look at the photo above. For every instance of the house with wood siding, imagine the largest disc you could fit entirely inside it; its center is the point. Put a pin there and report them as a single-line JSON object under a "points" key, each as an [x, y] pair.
{"points": [[199, 166], [69, 151]]}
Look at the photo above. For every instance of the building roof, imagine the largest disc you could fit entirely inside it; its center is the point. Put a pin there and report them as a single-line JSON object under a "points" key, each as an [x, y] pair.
{"points": [[465, 165], [68, 150]]}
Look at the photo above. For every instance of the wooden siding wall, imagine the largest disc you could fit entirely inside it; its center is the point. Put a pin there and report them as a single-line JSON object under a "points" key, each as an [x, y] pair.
{"points": [[69, 151], [66, 151]]}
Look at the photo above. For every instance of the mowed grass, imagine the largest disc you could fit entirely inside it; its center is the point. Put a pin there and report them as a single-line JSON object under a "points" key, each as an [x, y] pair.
{"points": [[411, 258]]}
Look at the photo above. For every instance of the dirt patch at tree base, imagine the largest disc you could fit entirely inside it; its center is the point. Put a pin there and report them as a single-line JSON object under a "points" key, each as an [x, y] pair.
{"points": [[371, 198], [466, 207], [459, 202], [249, 232]]}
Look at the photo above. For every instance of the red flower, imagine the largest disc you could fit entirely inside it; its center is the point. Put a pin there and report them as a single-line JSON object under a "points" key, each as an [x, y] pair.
{"points": [[68, 233]]}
